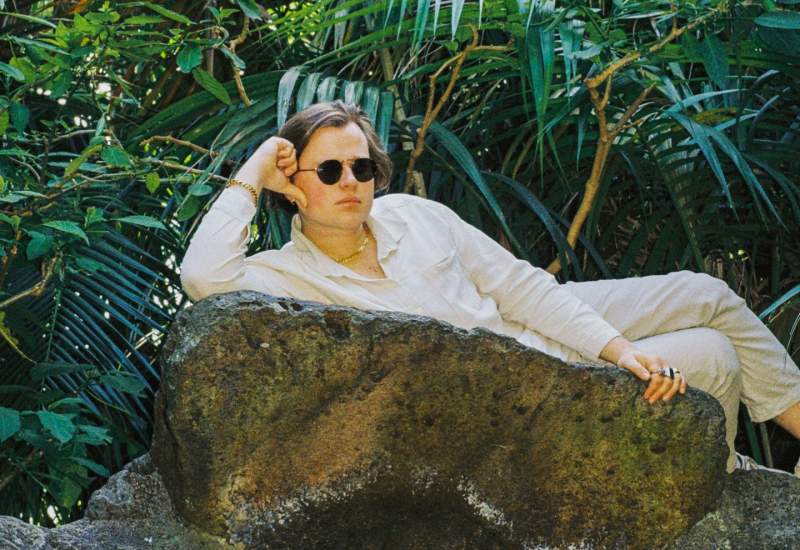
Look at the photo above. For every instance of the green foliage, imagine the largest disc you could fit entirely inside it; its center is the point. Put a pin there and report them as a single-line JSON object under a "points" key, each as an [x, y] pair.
{"points": [[705, 179]]}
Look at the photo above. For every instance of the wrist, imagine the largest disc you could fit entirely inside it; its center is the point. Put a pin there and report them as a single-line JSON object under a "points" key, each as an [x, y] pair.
{"points": [[246, 175], [615, 349]]}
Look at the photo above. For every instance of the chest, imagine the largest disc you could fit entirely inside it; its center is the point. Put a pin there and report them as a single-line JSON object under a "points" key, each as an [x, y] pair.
{"points": [[367, 264]]}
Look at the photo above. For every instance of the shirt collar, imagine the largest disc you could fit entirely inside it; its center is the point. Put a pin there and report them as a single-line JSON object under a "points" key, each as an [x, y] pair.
{"points": [[387, 232]]}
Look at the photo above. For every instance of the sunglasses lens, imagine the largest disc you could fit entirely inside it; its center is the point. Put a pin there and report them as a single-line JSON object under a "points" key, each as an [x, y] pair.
{"points": [[329, 171], [364, 169]]}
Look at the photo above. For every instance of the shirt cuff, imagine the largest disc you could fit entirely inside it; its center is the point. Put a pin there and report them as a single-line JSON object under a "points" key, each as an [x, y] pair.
{"points": [[595, 342]]}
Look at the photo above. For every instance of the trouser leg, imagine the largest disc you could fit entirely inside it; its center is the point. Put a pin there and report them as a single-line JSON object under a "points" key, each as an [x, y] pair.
{"points": [[641, 307]]}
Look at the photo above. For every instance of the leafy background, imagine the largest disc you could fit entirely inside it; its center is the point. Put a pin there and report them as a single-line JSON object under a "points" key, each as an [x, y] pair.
{"points": [[120, 122]]}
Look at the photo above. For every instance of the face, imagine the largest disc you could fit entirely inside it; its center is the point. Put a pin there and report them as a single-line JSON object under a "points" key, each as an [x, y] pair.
{"points": [[343, 205]]}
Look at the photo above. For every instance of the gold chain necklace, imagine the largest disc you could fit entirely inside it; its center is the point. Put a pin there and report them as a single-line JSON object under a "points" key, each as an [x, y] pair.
{"points": [[361, 248]]}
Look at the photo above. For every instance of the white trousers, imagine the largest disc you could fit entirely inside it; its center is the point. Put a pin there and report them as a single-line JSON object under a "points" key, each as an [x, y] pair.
{"points": [[705, 330]]}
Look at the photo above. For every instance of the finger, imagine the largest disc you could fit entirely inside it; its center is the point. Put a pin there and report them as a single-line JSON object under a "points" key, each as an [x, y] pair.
{"points": [[665, 385], [655, 382], [636, 368], [676, 385], [684, 385]]}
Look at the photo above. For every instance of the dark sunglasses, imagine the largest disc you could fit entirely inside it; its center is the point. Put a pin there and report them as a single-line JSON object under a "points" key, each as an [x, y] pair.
{"points": [[330, 171]]}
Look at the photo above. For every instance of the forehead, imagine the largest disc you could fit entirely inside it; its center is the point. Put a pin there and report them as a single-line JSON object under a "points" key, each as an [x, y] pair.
{"points": [[332, 142]]}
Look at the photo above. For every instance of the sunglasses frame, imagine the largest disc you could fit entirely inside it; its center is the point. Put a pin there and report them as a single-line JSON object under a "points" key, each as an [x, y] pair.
{"points": [[341, 170]]}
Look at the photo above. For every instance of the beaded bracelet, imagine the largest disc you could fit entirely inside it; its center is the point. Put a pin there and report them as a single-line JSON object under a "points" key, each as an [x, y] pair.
{"points": [[232, 182]]}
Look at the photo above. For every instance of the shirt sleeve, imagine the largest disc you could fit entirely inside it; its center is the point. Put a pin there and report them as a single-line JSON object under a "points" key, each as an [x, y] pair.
{"points": [[215, 260], [527, 294]]}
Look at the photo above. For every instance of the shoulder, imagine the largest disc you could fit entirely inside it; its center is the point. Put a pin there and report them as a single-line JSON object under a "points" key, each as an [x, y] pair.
{"points": [[275, 258], [412, 208]]}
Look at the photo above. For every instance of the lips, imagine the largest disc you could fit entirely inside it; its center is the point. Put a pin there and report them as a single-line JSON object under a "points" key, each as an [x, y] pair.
{"points": [[349, 200]]}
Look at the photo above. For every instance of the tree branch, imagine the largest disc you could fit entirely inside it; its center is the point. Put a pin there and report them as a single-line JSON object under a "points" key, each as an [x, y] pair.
{"points": [[607, 136]]}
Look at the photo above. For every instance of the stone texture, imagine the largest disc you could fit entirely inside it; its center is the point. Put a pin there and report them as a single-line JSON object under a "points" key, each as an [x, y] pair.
{"points": [[759, 510], [131, 511], [286, 424]]}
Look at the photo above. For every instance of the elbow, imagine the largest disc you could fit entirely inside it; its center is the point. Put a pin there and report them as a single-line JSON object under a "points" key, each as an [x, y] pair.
{"points": [[192, 286], [194, 281]]}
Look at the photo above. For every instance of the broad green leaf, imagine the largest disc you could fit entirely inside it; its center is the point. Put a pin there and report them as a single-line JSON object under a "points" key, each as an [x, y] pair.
{"points": [[369, 102], [212, 85], [123, 382], [89, 265], [94, 435], [285, 91], [60, 84], [13, 72], [327, 90], [39, 245], [238, 62], [383, 121], [199, 189], [143, 20], [190, 56], [29, 70], [307, 91], [169, 14], [250, 9], [93, 215], [13, 221], [20, 116], [152, 181], [455, 17], [114, 156], [54, 368], [189, 208], [9, 423], [715, 59], [351, 92], [423, 8], [67, 226], [779, 19], [3, 121], [99, 469], [144, 221], [59, 425]]}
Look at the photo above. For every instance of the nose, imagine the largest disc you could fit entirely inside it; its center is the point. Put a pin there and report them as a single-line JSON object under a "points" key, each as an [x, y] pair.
{"points": [[347, 179]]}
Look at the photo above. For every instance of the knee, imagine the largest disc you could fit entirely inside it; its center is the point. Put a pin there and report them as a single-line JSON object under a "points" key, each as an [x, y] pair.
{"points": [[706, 291], [721, 358]]}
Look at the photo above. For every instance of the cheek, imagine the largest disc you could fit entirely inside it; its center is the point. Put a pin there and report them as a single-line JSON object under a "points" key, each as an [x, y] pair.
{"points": [[316, 194]]}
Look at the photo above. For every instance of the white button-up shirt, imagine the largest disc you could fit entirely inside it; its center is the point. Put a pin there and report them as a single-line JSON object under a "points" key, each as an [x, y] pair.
{"points": [[435, 263]]}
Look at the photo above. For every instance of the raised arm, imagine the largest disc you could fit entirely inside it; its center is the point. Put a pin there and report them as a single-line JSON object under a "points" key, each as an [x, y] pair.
{"points": [[215, 259]]}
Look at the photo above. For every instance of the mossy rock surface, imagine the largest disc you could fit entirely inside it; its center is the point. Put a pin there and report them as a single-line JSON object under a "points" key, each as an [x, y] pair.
{"points": [[282, 423]]}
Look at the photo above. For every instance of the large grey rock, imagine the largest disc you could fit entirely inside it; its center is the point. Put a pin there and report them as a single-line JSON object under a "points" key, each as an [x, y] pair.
{"points": [[284, 424]]}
